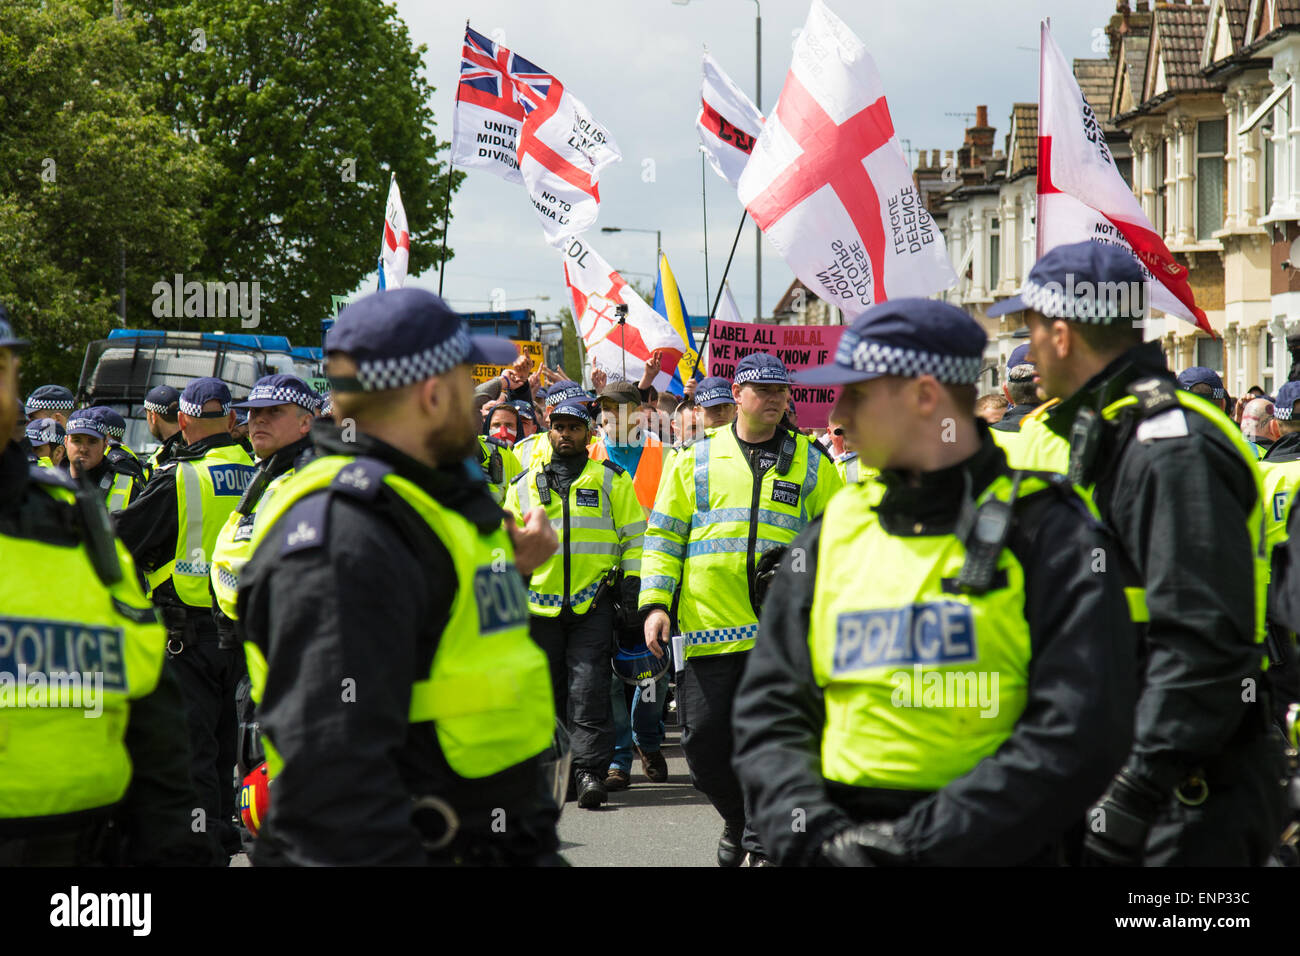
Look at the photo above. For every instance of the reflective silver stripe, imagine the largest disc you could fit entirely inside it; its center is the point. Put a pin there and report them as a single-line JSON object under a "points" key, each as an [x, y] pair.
{"points": [[526, 498], [851, 471], [665, 522], [121, 491], [631, 530], [192, 560], [665, 546], [631, 566], [702, 474], [607, 486], [594, 547], [604, 523]]}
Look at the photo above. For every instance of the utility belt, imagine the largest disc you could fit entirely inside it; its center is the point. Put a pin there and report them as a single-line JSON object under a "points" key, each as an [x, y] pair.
{"points": [[188, 627]]}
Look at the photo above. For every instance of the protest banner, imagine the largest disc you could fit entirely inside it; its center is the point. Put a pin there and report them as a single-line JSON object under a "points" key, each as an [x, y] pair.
{"points": [[798, 346]]}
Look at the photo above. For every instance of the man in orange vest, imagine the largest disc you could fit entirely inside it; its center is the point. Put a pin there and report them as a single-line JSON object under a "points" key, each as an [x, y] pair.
{"points": [[630, 444]]}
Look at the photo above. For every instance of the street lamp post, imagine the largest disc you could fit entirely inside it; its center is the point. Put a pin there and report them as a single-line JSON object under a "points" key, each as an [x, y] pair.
{"points": [[659, 240], [758, 101]]}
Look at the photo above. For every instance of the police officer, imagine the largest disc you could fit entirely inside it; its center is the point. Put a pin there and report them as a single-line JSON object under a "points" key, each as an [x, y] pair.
{"points": [[499, 464], [1206, 383], [171, 529], [1020, 389], [78, 792], [1174, 479], [628, 440], [50, 401], [122, 457], [727, 498], [86, 442], [539, 444], [162, 405], [281, 409], [716, 402], [1280, 467], [404, 707], [46, 438], [239, 431], [593, 506], [986, 725]]}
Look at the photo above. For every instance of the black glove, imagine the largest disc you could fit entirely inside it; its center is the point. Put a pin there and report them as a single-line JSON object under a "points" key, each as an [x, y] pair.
{"points": [[867, 844], [1117, 826]]}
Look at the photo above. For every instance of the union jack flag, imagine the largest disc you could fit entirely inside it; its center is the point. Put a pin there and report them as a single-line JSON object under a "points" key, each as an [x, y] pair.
{"points": [[496, 79]]}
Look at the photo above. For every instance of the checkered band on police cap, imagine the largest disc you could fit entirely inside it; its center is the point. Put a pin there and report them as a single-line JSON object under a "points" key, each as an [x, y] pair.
{"points": [[866, 355], [1284, 406], [87, 422], [762, 369], [50, 397], [285, 395], [155, 407], [196, 411], [1054, 301], [379, 375], [563, 393], [45, 431], [719, 393]]}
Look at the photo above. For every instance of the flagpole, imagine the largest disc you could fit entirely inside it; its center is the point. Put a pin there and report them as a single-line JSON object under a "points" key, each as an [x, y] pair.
{"points": [[379, 280], [446, 206], [725, 269], [1043, 28], [704, 204]]}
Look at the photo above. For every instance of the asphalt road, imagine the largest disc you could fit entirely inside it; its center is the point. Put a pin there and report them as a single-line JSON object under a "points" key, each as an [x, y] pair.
{"points": [[648, 824]]}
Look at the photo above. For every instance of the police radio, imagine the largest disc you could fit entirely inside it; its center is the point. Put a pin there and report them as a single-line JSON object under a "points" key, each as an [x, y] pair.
{"points": [[1085, 434], [543, 488], [990, 525], [786, 458]]}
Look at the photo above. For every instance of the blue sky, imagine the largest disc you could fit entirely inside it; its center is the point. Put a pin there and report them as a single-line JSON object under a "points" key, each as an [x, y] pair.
{"points": [[636, 64]]}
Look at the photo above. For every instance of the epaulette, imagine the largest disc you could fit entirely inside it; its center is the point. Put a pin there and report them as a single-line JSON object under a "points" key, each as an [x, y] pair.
{"points": [[1154, 396], [124, 463], [303, 526], [616, 469], [522, 474]]}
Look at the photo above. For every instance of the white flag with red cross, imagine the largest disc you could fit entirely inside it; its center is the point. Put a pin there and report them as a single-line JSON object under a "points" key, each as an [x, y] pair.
{"points": [[728, 123], [1082, 196], [396, 244], [829, 185], [562, 149], [619, 350]]}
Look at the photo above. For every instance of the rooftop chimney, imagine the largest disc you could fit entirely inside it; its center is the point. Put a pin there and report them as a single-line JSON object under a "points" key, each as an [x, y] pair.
{"points": [[981, 116]]}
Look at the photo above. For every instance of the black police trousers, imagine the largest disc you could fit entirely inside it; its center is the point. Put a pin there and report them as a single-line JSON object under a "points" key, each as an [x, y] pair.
{"points": [[1240, 821], [578, 649], [706, 691], [208, 675]]}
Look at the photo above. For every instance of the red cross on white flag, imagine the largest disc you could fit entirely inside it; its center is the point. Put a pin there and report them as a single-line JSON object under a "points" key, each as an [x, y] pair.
{"points": [[396, 248], [829, 185]]}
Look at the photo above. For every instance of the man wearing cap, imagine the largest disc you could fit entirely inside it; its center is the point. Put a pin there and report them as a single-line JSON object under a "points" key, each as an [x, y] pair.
{"points": [[406, 713], [628, 441], [499, 464], [1206, 383], [161, 406], [50, 401], [1256, 424], [983, 728], [75, 791], [737, 492], [46, 437], [171, 529], [1280, 466], [122, 456], [539, 444], [716, 401], [1019, 388], [86, 444], [592, 506], [1174, 479], [280, 409], [239, 431]]}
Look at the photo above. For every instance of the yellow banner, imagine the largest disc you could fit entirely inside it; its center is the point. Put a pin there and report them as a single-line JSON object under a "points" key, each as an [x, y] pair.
{"points": [[533, 350]]}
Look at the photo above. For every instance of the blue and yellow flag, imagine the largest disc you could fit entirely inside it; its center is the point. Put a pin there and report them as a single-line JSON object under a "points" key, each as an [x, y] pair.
{"points": [[668, 303]]}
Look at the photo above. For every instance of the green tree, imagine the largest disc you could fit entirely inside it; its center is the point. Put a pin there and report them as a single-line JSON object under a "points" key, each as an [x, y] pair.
{"points": [[306, 106], [90, 179]]}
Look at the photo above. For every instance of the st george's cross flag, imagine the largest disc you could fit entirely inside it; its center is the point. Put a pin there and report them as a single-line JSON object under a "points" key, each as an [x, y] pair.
{"points": [[829, 185], [395, 247], [728, 123], [1082, 196], [597, 289]]}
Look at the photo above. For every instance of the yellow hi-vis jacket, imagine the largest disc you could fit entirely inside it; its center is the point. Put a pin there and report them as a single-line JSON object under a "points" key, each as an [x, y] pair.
{"points": [[493, 457], [600, 526], [713, 519]]}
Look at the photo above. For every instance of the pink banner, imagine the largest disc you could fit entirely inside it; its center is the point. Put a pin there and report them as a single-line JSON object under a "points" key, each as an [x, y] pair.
{"points": [[798, 346]]}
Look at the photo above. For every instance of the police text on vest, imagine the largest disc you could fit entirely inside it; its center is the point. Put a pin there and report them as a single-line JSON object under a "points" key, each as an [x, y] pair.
{"points": [[76, 909]]}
